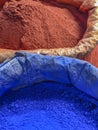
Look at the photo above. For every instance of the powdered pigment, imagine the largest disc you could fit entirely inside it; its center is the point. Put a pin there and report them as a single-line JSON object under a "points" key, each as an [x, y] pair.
{"points": [[29, 24]]}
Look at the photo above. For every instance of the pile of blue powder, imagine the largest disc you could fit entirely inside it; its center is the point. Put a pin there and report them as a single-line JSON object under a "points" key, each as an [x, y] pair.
{"points": [[48, 106]]}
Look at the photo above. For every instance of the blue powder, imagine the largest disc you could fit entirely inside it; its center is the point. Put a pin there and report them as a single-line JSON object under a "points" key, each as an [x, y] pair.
{"points": [[47, 106]]}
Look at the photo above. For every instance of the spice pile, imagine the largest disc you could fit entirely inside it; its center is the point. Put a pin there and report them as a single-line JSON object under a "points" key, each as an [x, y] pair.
{"points": [[34, 24]]}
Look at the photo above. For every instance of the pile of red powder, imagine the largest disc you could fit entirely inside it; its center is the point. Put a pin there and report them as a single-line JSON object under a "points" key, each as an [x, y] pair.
{"points": [[33, 24], [29, 24]]}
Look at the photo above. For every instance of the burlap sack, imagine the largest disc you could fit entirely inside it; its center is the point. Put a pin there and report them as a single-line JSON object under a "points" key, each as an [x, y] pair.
{"points": [[85, 45]]}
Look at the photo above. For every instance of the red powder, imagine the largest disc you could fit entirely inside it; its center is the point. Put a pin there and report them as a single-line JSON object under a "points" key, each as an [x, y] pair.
{"points": [[29, 24], [92, 57]]}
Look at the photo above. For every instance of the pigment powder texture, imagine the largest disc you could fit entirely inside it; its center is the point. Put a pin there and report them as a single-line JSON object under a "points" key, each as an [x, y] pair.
{"points": [[47, 106], [29, 24]]}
